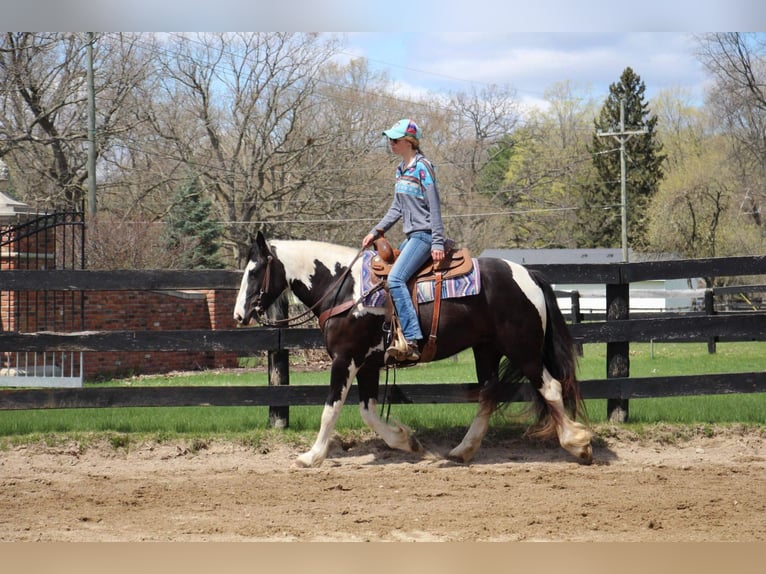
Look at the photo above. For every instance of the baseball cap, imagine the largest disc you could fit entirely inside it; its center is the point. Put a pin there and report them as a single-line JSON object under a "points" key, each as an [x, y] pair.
{"points": [[402, 128]]}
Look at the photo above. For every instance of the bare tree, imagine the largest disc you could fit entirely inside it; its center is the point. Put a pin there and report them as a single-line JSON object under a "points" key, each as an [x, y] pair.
{"points": [[479, 119], [468, 126], [352, 173], [737, 63], [242, 112], [43, 103]]}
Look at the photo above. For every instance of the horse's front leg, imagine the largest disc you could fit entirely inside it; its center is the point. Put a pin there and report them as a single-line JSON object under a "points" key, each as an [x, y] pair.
{"points": [[342, 374], [397, 435]]}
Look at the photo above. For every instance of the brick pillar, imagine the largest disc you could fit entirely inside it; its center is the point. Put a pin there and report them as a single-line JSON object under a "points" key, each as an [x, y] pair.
{"points": [[220, 304]]}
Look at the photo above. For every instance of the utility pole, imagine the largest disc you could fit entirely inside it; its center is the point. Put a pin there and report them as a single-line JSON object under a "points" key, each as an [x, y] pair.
{"points": [[91, 130], [618, 295], [622, 136]]}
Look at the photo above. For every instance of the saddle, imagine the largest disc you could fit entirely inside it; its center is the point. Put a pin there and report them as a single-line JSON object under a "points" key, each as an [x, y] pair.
{"points": [[456, 262]]}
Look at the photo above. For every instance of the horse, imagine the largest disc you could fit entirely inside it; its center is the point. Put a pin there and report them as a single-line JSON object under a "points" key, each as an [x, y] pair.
{"points": [[513, 324]]}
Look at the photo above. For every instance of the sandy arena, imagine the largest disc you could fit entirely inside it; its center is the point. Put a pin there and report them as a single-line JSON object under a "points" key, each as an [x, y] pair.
{"points": [[702, 488]]}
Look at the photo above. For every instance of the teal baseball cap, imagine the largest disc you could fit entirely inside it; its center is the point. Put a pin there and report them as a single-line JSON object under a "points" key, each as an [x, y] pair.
{"points": [[402, 128]]}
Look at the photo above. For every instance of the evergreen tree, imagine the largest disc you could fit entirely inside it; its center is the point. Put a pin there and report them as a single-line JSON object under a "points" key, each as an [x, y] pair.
{"points": [[190, 232], [600, 222], [491, 179]]}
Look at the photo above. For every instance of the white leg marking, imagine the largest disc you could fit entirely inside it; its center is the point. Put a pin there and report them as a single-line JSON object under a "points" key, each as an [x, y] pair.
{"points": [[573, 435], [471, 442], [397, 436], [318, 452], [551, 389]]}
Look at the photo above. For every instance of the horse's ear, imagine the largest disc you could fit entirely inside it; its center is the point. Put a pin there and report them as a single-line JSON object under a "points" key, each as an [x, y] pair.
{"points": [[260, 242]]}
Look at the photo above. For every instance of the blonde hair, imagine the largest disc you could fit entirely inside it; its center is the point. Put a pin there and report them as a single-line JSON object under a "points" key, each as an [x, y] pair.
{"points": [[413, 141]]}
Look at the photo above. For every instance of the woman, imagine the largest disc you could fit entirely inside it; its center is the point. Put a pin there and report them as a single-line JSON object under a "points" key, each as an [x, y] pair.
{"points": [[416, 202]]}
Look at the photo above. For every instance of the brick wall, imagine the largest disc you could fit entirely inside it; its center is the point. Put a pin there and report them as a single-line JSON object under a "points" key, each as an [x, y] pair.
{"points": [[111, 310], [156, 311]]}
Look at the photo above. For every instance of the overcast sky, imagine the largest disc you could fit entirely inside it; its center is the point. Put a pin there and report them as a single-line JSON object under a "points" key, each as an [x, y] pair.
{"points": [[531, 62], [422, 17]]}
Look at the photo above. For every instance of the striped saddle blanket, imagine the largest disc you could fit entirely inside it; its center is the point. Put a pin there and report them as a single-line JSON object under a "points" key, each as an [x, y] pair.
{"points": [[462, 286]]}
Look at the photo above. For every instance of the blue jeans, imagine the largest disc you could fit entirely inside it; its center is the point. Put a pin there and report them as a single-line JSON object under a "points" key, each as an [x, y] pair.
{"points": [[415, 251]]}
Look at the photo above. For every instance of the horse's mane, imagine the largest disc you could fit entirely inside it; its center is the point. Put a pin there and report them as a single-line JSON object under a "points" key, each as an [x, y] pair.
{"points": [[298, 256]]}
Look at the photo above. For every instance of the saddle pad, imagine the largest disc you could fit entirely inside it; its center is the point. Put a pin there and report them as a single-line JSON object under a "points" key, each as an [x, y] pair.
{"points": [[463, 286]]}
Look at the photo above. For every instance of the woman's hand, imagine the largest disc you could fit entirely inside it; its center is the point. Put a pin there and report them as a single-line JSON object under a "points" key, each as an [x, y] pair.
{"points": [[368, 239], [437, 254]]}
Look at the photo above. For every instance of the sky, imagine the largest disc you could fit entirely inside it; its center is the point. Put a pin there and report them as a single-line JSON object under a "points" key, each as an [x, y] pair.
{"points": [[422, 17], [531, 62], [447, 46]]}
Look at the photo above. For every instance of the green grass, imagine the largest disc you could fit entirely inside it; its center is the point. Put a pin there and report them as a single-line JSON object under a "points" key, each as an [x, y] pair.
{"points": [[668, 359], [250, 423]]}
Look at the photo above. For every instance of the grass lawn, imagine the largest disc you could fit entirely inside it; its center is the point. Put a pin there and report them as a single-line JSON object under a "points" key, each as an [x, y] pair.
{"points": [[244, 423]]}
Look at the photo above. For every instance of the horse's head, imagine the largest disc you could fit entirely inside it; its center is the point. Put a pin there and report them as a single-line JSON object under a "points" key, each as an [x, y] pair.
{"points": [[263, 281]]}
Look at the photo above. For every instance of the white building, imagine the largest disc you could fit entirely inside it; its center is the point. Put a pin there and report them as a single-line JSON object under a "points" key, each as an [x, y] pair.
{"points": [[646, 296]]}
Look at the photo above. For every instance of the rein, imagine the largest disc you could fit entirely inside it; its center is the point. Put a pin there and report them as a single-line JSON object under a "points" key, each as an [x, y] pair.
{"points": [[305, 316]]}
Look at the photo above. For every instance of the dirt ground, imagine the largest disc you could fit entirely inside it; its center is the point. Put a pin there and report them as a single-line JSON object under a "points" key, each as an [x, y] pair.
{"points": [[700, 488]]}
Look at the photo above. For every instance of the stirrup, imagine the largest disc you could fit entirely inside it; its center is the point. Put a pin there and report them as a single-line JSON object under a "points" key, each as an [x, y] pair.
{"points": [[399, 349], [411, 354]]}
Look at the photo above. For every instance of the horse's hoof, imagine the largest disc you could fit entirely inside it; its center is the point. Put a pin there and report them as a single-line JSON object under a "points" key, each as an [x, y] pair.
{"points": [[308, 461], [586, 457], [415, 445], [461, 458]]}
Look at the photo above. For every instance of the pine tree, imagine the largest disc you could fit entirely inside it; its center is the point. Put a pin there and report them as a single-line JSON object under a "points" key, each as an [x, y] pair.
{"points": [[491, 178], [600, 223], [190, 231]]}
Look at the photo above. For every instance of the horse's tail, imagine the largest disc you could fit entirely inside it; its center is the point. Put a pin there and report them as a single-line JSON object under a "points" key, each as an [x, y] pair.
{"points": [[559, 357]]}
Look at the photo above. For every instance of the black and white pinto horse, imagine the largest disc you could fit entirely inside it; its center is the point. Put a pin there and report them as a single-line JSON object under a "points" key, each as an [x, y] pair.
{"points": [[514, 316]]}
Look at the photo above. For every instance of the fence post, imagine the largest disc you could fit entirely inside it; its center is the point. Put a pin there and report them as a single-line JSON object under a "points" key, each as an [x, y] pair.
{"points": [[279, 374], [279, 367], [576, 316], [710, 310], [617, 353]]}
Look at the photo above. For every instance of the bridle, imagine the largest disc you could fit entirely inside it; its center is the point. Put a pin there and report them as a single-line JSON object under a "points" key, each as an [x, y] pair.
{"points": [[305, 316]]}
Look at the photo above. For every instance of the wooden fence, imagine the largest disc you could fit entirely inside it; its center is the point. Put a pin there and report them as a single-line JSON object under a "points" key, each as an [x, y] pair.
{"points": [[617, 331]]}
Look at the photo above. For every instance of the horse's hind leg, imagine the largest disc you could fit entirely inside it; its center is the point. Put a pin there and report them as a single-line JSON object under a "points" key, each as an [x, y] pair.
{"points": [[573, 435], [395, 436], [471, 442], [487, 360]]}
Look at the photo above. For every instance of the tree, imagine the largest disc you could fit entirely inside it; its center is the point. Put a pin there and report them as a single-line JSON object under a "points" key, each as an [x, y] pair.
{"points": [[492, 177], [599, 218], [702, 208], [737, 64], [241, 110], [43, 108], [190, 232], [352, 176], [472, 139], [544, 163], [689, 210]]}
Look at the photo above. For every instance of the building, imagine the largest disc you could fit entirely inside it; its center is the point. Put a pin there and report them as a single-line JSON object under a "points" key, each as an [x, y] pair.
{"points": [[653, 296]]}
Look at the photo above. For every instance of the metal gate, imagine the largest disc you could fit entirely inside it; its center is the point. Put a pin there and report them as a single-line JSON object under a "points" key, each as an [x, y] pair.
{"points": [[50, 241]]}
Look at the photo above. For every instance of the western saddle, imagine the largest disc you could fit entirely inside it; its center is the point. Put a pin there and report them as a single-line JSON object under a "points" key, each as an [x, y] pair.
{"points": [[456, 262]]}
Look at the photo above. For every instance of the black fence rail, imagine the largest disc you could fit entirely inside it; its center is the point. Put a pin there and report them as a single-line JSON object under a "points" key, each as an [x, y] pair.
{"points": [[618, 330]]}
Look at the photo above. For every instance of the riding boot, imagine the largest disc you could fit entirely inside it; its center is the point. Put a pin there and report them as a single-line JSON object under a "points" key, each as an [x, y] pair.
{"points": [[401, 350]]}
